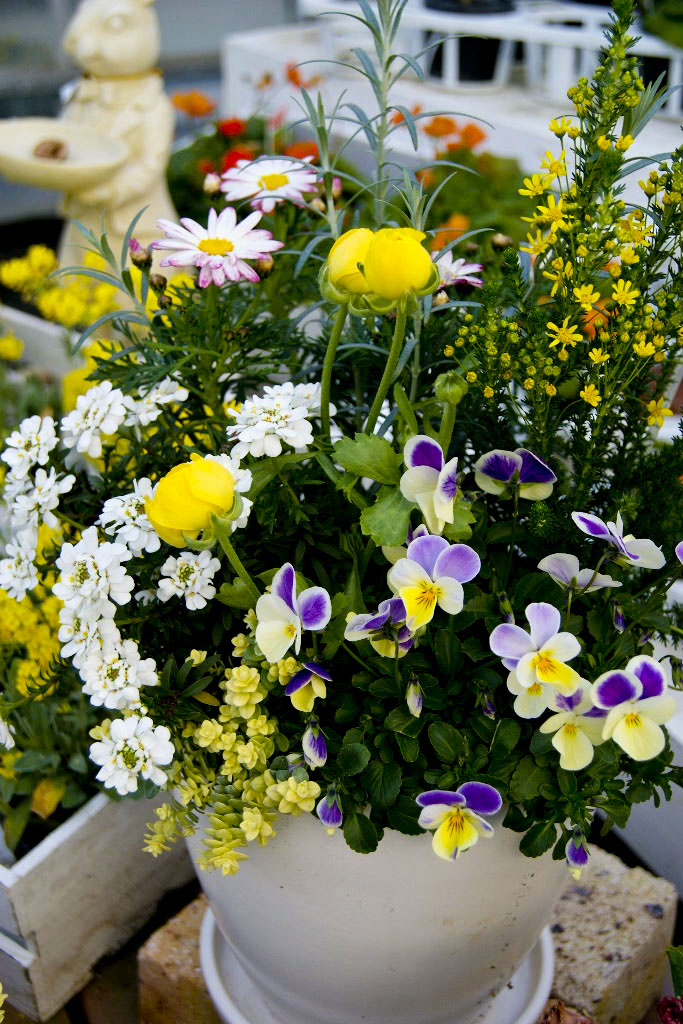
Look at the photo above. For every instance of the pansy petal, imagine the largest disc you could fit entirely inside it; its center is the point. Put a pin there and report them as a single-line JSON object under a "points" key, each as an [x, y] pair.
{"points": [[510, 641], [425, 551], [420, 605], [431, 817], [451, 597], [489, 485], [459, 561], [576, 854], [299, 679], [418, 480], [555, 722], [498, 465], [284, 585], [423, 451], [544, 622], [650, 673], [531, 701], [454, 835], [534, 470], [593, 728], [318, 670], [355, 627], [440, 796], [315, 608], [273, 608], [446, 488], [616, 687], [395, 608], [659, 709], [644, 553], [535, 492], [406, 573], [591, 525], [561, 566], [679, 551], [275, 638], [575, 701], [563, 647], [640, 737], [550, 670], [574, 747], [485, 830], [480, 797]]}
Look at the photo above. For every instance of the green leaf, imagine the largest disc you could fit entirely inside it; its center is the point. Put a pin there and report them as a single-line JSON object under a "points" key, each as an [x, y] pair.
{"points": [[539, 838], [16, 821], [506, 737], [388, 520], [383, 783], [369, 455], [235, 595], [77, 763], [403, 816], [675, 955], [34, 761], [352, 758], [460, 528], [449, 743], [267, 469], [360, 833], [400, 720], [409, 747], [599, 624], [526, 780]]}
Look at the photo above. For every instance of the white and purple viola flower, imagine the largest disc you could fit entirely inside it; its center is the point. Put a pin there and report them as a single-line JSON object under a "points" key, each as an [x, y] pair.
{"points": [[313, 744], [307, 684], [456, 816], [431, 574], [329, 809], [576, 853], [502, 472], [540, 655], [679, 551], [637, 705], [282, 615], [385, 629], [576, 726], [414, 698], [564, 569], [638, 552], [429, 481], [530, 701]]}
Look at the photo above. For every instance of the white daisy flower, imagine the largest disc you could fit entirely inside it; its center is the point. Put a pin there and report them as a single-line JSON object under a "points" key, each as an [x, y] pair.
{"points": [[36, 505], [82, 637], [125, 517], [100, 411], [135, 746], [457, 271], [91, 576], [264, 423], [18, 573], [112, 678], [190, 576], [220, 249], [270, 181], [29, 445], [242, 478], [148, 406]]}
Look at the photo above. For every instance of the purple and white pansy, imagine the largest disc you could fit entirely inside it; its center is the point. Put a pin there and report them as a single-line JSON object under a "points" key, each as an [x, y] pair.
{"points": [[576, 727], [530, 701], [384, 629], [431, 574], [429, 481], [282, 615], [564, 569], [501, 472], [576, 853], [313, 744], [538, 656], [456, 816], [679, 551], [329, 809], [637, 705], [640, 553], [307, 684]]}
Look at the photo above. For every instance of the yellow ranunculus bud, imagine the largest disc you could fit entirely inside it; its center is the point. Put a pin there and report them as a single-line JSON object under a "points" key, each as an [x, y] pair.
{"points": [[347, 252], [187, 497], [397, 263]]}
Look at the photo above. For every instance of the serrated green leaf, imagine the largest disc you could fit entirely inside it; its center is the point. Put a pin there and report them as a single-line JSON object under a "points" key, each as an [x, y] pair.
{"points": [[383, 783], [388, 520], [409, 747], [360, 833], [448, 742], [539, 838], [352, 758], [369, 455], [235, 595]]}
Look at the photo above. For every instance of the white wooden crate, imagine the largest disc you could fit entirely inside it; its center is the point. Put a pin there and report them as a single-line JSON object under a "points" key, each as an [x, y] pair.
{"points": [[77, 896]]}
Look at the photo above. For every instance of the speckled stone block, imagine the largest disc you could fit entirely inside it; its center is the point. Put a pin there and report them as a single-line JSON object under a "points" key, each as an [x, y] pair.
{"points": [[559, 1013], [610, 932], [171, 986]]}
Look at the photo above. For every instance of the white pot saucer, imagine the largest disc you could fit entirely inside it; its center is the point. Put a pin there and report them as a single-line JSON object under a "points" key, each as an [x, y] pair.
{"points": [[521, 1001]]}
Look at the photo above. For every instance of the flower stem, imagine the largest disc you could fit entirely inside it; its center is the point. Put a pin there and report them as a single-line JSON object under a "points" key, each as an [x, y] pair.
{"points": [[389, 370], [222, 534], [446, 431], [326, 381]]}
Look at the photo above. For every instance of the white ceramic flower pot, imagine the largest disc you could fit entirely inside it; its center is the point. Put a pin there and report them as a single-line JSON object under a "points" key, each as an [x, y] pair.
{"points": [[330, 936]]}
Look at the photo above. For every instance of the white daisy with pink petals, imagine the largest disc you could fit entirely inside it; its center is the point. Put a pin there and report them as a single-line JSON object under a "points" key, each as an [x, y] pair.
{"points": [[270, 181], [220, 249]]}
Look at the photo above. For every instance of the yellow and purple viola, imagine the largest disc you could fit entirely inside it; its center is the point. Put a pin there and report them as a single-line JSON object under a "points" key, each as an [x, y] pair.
{"points": [[576, 854], [282, 615], [313, 744], [640, 553], [329, 809], [307, 684], [567, 573], [456, 816], [385, 629], [431, 574], [429, 481], [576, 726], [637, 705], [502, 473], [540, 655]]}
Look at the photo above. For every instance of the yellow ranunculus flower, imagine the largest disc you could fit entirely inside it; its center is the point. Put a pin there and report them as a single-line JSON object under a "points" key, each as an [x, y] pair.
{"points": [[396, 262], [348, 251], [187, 497]]}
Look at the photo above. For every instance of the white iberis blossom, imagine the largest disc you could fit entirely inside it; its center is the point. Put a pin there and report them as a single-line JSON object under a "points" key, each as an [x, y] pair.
{"points": [[92, 576], [99, 412], [190, 575], [125, 517], [129, 748]]}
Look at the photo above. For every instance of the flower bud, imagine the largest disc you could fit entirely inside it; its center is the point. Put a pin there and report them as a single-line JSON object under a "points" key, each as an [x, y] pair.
{"points": [[414, 697], [618, 620], [397, 263], [346, 254], [329, 810], [187, 497], [440, 299], [501, 241], [157, 283], [264, 266], [140, 256], [313, 744], [450, 387]]}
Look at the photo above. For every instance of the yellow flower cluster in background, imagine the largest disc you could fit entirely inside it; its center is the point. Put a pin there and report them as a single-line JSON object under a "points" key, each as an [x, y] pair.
{"points": [[11, 347], [28, 630]]}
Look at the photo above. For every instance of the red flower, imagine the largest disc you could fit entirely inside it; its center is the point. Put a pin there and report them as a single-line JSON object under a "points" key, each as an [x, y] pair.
{"points": [[206, 166], [234, 154], [231, 127], [670, 1010], [300, 150]]}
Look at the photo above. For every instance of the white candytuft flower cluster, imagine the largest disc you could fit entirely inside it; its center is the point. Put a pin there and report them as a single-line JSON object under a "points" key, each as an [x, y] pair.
{"points": [[91, 576], [190, 575], [18, 573], [113, 675], [36, 504], [99, 412], [133, 747], [149, 405], [125, 518], [30, 445], [280, 415]]}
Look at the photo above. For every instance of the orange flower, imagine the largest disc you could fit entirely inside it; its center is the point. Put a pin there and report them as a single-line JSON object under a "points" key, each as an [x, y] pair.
{"points": [[193, 103], [470, 135], [398, 117], [300, 150], [595, 319], [294, 77], [265, 80], [454, 227], [426, 177], [439, 126], [206, 166], [230, 127]]}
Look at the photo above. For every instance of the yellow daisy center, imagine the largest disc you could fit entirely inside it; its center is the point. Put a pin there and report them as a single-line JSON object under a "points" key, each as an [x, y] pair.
{"points": [[269, 182], [632, 720], [216, 246]]}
